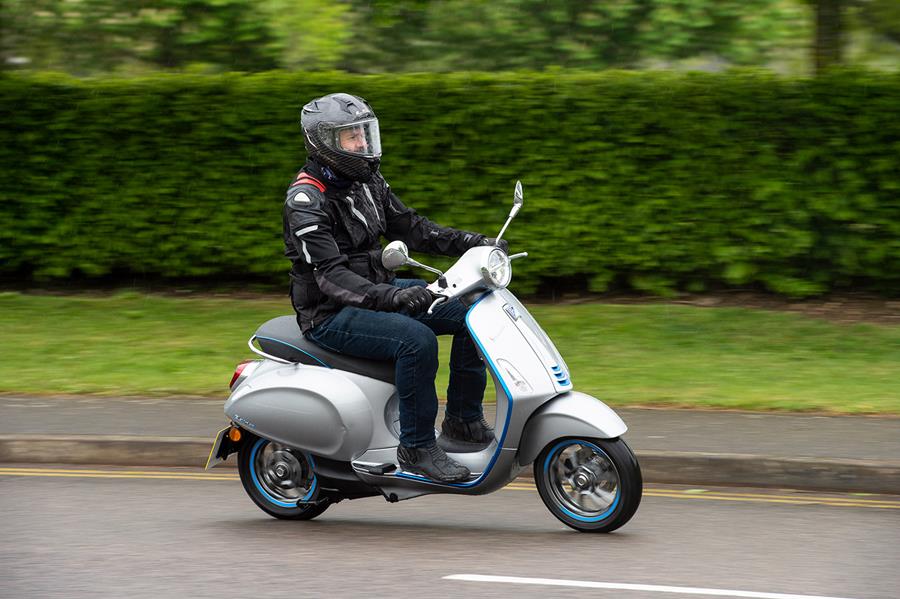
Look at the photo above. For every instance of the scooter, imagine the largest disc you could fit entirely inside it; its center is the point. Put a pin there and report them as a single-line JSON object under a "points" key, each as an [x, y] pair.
{"points": [[312, 427]]}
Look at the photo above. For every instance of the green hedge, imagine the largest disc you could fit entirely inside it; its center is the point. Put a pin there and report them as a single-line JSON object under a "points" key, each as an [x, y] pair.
{"points": [[659, 181]]}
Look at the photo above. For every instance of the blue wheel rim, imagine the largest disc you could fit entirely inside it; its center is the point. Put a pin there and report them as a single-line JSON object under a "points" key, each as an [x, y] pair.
{"points": [[582, 480], [282, 475]]}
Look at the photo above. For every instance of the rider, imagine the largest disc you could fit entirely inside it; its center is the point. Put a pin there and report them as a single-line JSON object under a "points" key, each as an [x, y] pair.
{"points": [[337, 208]]}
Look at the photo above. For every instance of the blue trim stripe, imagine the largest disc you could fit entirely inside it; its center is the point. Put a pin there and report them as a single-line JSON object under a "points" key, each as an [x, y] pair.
{"points": [[505, 424], [265, 494], [569, 513], [294, 347]]}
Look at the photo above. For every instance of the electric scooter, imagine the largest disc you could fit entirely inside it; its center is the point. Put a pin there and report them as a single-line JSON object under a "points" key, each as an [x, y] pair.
{"points": [[312, 427]]}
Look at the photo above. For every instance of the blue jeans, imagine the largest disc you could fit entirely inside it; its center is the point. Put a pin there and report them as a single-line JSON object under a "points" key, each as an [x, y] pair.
{"points": [[411, 343]]}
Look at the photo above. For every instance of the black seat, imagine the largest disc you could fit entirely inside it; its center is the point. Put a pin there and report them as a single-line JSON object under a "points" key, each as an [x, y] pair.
{"points": [[281, 337]]}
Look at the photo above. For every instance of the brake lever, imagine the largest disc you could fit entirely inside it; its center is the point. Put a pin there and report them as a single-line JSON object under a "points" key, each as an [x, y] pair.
{"points": [[441, 298]]}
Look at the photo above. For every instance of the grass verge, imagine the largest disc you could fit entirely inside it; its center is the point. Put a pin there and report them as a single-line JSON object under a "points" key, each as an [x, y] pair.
{"points": [[662, 355]]}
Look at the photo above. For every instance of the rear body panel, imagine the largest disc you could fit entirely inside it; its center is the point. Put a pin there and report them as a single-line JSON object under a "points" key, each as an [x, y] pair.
{"points": [[324, 411]]}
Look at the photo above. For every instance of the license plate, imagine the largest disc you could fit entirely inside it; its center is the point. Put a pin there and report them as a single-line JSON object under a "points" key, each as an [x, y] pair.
{"points": [[214, 459]]}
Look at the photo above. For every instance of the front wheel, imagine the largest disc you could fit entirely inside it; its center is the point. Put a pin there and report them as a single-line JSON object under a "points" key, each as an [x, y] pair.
{"points": [[277, 476], [591, 485]]}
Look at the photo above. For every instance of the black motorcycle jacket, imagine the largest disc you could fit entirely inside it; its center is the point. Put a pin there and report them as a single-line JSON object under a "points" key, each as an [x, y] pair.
{"points": [[332, 231]]}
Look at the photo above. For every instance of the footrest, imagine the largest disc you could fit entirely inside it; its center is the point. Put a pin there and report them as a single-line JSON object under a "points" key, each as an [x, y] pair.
{"points": [[379, 469], [472, 476]]}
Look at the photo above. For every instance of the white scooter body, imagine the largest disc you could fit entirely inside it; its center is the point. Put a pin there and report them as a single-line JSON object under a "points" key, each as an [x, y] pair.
{"points": [[347, 417]]}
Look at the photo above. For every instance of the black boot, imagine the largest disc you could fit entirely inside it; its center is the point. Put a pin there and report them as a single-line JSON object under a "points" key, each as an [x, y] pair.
{"points": [[458, 436], [432, 462]]}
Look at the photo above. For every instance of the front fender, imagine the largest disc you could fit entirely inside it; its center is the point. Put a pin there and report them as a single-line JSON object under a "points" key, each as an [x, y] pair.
{"points": [[571, 414]]}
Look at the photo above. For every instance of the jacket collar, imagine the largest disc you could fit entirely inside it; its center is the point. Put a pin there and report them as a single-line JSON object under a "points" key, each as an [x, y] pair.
{"points": [[324, 173]]}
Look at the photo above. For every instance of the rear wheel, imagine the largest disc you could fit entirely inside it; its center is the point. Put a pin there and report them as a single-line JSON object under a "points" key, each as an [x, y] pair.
{"points": [[591, 485], [277, 476]]}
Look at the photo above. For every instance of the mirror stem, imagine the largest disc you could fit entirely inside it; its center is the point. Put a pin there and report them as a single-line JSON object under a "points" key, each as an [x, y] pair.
{"points": [[503, 230], [412, 262]]}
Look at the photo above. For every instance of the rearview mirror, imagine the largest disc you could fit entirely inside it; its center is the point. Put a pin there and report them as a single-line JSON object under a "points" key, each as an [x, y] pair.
{"points": [[395, 255], [518, 200]]}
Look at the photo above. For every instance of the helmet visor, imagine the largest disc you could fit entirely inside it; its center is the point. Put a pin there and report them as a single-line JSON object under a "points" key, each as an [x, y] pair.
{"points": [[358, 139]]}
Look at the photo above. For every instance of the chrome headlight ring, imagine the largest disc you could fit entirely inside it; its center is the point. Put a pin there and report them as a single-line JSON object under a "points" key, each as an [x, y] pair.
{"points": [[496, 270]]}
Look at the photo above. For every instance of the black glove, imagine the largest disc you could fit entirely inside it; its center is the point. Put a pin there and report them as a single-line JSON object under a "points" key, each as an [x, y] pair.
{"points": [[504, 245], [413, 300]]}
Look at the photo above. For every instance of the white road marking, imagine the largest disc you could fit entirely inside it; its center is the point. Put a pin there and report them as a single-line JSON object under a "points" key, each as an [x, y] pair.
{"points": [[630, 587]]}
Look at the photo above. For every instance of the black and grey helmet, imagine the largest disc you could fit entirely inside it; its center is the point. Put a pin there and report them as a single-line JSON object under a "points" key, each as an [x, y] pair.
{"points": [[341, 132]]}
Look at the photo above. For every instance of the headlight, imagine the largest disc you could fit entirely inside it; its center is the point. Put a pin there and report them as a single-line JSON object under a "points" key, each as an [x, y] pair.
{"points": [[496, 270]]}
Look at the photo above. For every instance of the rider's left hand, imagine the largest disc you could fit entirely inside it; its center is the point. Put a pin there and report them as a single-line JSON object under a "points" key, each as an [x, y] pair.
{"points": [[413, 300]]}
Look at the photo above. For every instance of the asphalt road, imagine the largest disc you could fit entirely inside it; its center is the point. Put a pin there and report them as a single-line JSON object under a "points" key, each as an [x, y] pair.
{"points": [[181, 533]]}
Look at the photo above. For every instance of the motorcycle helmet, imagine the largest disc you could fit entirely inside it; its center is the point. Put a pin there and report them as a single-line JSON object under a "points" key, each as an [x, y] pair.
{"points": [[341, 132]]}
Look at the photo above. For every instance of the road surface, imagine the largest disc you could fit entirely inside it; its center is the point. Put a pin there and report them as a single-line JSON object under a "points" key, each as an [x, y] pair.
{"points": [[104, 532]]}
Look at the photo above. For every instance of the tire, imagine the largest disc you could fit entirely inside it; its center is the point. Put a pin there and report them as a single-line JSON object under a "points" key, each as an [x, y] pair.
{"points": [[591, 485], [259, 463]]}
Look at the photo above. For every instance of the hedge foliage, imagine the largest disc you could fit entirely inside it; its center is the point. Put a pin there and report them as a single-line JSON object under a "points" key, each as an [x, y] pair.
{"points": [[659, 181]]}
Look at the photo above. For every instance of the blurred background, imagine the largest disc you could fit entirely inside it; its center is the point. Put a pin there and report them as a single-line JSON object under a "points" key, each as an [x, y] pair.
{"points": [[740, 154], [129, 37]]}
